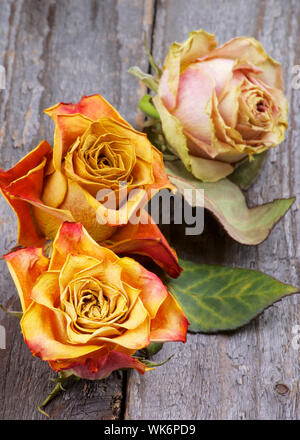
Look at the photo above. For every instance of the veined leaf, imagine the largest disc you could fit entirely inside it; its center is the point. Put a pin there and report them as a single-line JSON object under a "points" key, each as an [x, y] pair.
{"points": [[227, 202], [216, 298]]}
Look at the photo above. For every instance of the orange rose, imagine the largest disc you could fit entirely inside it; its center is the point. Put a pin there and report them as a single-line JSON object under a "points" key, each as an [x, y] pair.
{"points": [[87, 310], [94, 149]]}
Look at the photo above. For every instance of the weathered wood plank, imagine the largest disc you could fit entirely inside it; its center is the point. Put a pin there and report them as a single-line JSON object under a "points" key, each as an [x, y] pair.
{"points": [[58, 51], [235, 376]]}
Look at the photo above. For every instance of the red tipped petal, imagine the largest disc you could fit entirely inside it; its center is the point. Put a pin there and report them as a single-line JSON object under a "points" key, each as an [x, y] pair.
{"points": [[148, 240], [68, 127], [105, 365], [170, 323], [93, 107], [28, 234], [25, 266], [30, 161], [25, 181], [161, 178], [72, 238]]}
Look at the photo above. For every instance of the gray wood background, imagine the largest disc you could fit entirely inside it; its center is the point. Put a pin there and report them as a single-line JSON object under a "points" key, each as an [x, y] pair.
{"points": [[59, 50]]}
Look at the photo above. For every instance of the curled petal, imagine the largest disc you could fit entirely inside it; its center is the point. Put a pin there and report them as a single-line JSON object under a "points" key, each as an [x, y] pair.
{"points": [[146, 239], [246, 48], [86, 210], [72, 238], [179, 57], [44, 331], [26, 179], [133, 339], [93, 107], [67, 128], [173, 132], [170, 323], [177, 139], [29, 162], [161, 178], [55, 189], [219, 69], [194, 92], [49, 219], [210, 170], [105, 365], [46, 289], [28, 233], [25, 266], [153, 291]]}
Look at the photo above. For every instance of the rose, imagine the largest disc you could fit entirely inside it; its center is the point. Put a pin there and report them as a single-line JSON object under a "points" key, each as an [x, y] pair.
{"points": [[87, 310], [95, 149], [220, 104]]}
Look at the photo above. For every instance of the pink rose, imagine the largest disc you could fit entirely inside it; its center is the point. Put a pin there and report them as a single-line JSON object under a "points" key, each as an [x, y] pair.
{"points": [[219, 104]]}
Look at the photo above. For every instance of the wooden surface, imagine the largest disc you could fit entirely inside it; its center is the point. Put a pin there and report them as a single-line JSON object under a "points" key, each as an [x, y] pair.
{"points": [[59, 50]]}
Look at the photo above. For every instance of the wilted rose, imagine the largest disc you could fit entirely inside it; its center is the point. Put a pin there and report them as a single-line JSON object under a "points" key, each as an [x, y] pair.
{"points": [[220, 104], [94, 150], [87, 310]]}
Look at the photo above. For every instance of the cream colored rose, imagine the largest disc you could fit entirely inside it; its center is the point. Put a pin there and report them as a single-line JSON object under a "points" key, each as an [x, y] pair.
{"points": [[220, 104]]}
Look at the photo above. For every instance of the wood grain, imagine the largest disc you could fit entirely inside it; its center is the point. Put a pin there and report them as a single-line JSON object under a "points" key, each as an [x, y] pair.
{"points": [[238, 375], [57, 51]]}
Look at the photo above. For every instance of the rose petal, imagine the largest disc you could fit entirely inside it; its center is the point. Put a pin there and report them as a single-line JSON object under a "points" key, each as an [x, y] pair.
{"points": [[179, 57], [220, 69], [153, 291], [161, 179], [46, 289], [194, 92], [27, 163], [146, 239], [74, 264], [133, 339], [246, 48], [105, 365], [84, 209], [55, 189], [26, 178], [209, 170], [93, 107], [68, 127], [170, 324], [49, 219], [72, 238], [28, 233], [25, 266], [44, 331]]}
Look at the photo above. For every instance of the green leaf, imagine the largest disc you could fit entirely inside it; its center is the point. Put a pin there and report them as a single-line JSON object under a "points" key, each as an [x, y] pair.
{"points": [[216, 298], [147, 107], [227, 202], [247, 172], [147, 79], [151, 349]]}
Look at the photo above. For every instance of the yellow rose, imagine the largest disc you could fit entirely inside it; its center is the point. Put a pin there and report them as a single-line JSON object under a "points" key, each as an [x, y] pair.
{"points": [[87, 310], [94, 149]]}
